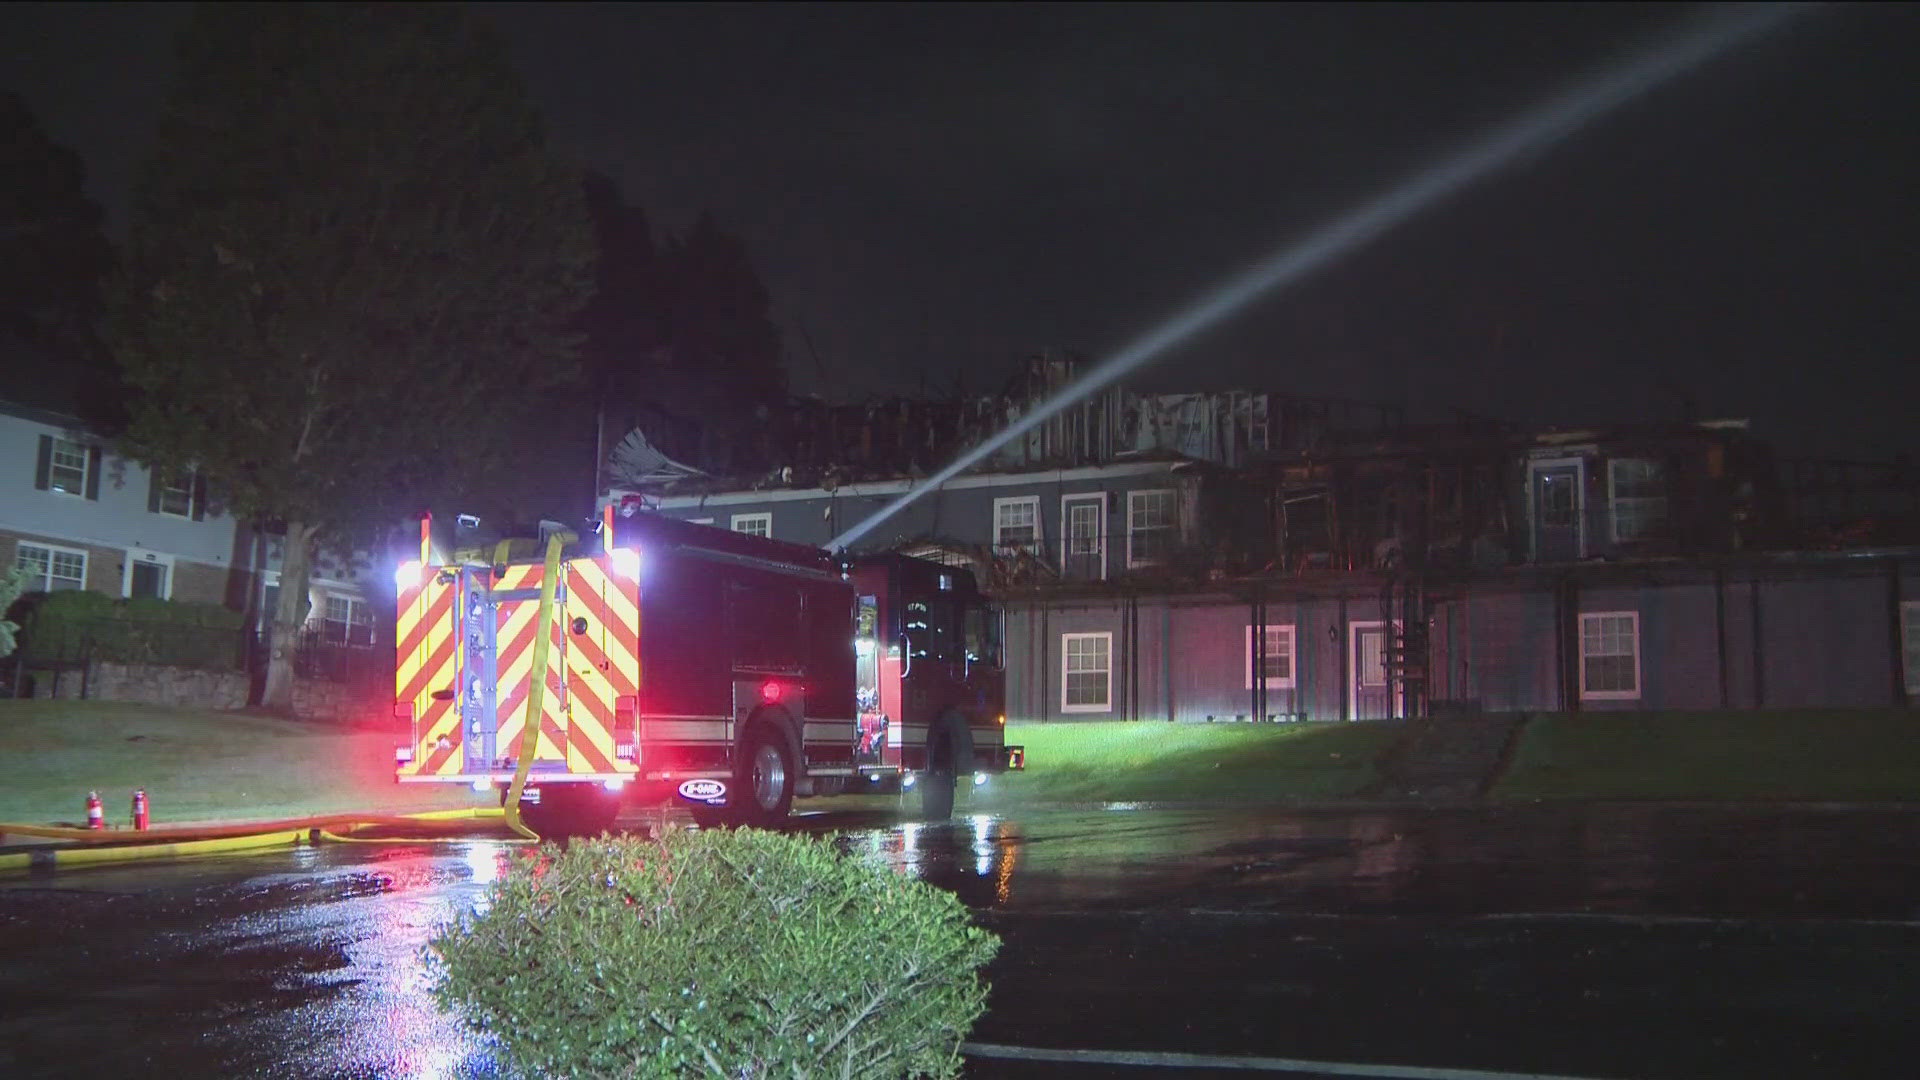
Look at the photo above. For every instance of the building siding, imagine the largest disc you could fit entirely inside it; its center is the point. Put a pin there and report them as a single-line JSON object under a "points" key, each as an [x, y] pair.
{"points": [[1828, 640], [962, 514]]}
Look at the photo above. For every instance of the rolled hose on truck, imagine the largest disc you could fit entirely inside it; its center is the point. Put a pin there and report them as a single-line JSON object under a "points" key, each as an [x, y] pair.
{"points": [[124, 846]]}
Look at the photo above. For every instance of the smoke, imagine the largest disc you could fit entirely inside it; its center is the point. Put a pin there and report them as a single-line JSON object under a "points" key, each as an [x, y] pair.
{"points": [[1719, 31]]}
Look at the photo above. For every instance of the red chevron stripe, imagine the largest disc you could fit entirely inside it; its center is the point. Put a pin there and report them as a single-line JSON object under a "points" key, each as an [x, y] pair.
{"points": [[428, 670], [439, 756], [583, 694], [596, 761], [616, 674], [418, 631], [555, 739], [581, 591]]}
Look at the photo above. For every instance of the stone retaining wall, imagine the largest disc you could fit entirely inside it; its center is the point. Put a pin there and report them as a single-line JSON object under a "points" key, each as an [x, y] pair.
{"points": [[189, 688]]}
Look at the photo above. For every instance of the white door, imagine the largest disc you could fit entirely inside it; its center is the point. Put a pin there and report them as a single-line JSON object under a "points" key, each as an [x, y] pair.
{"points": [[1371, 694], [1083, 537]]}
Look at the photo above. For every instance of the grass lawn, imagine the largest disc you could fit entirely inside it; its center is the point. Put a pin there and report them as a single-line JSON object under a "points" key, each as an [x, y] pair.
{"points": [[1811, 754], [197, 765], [1154, 761]]}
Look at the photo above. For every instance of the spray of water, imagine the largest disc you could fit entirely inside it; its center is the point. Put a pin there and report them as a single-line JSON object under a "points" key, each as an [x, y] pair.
{"points": [[1548, 123]]}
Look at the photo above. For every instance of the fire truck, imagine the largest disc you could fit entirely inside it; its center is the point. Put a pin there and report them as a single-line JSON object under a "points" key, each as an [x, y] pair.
{"points": [[730, 671]]}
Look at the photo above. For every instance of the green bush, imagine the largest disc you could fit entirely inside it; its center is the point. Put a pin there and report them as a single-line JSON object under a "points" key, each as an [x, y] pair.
{"points": [[719, 953], [67, 627]]}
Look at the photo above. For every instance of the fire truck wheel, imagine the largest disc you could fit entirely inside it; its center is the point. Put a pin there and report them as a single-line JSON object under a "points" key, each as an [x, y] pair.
{"points": [[765, 779], [761, 792], [936, 785]]}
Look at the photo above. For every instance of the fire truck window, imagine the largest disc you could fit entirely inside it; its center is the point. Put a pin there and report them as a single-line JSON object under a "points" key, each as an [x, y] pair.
{"points": [[983, 635], [930, 629], [767, 623]]}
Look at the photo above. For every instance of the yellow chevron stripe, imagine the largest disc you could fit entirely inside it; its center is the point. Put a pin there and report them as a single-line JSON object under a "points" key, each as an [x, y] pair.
{"points": [[407, 663], [430, 643], [619, 607], [608, 588]]}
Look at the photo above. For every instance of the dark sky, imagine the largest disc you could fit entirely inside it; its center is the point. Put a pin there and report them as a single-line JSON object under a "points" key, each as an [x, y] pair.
{"points": [[946, 188]]}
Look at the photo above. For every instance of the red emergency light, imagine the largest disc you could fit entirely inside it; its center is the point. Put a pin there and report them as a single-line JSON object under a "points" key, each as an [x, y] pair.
{"points": [[769, 691]]}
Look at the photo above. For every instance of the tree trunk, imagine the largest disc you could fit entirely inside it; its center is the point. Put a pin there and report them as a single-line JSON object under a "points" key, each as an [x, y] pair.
{"points": [[289, 616]]}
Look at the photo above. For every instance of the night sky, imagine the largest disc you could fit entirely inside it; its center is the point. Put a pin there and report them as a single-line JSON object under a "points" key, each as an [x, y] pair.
{"points": [[933, 192]]}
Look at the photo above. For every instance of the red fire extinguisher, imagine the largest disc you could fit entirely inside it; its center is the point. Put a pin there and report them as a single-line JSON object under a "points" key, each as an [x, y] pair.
{"points": [[96, 814], [140, 808]]}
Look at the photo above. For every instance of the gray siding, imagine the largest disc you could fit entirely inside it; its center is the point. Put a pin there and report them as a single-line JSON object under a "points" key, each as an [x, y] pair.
{"points": [[1827, 640], [961, 514]]}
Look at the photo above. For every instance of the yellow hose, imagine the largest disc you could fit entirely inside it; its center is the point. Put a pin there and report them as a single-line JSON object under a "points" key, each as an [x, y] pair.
{"points": [[187, 833], [537, 689], [121, 845]]}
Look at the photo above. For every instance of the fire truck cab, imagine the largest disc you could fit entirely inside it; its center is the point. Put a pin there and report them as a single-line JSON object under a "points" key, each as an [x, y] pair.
{"points": [[726, 671]]}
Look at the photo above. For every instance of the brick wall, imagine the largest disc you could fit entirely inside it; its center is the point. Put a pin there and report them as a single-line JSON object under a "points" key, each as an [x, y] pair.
{"points": [[203, 584], [103, 564], [106, 572]]}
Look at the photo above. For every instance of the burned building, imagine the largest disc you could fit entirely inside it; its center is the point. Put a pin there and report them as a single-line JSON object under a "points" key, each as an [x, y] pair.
{"points": [[1250, 555]]}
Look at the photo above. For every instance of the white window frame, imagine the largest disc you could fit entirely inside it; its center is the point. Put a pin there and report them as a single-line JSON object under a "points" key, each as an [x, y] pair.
{"points": [[46, 579], [1610, 695], [1098, 500], [1910, 646], [189, 479], [1614, 499], [1274, 682], [150, 558], [763, 519], [1033, 546], [360, 602], [1106, 703], [86, 459], [1135, 500]]}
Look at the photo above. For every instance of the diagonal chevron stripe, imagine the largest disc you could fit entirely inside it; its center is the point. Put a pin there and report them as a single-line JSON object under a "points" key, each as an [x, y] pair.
{"points": [[415, 622]]}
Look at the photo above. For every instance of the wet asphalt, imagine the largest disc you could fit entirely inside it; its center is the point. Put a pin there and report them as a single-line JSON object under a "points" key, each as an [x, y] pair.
{"points": [[1606, 941]]}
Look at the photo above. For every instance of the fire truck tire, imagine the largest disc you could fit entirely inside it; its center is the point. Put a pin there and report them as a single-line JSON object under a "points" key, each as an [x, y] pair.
{"points": [[947, 744], [766, 779], [761, 793]]}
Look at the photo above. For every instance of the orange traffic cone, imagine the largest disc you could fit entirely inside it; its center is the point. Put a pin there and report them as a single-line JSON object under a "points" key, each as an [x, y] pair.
{"points": [[96, 814]]}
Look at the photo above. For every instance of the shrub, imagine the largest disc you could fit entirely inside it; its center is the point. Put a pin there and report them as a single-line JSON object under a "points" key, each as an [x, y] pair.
{"points": [[67, 627], [719, 953]]}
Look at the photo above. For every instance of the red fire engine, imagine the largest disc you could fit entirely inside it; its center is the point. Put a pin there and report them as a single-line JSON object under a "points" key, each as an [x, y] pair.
{"points": [[731, 671]]}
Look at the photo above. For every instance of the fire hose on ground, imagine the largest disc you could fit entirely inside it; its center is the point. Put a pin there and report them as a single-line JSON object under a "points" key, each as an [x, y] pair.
{"points": [[106, 846], [103, 846]]}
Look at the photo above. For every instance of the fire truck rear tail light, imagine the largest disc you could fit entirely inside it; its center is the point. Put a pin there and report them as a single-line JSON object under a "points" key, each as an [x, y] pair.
{"points": [[769, 691], [403, 711], [402, 754], [625, 741]]}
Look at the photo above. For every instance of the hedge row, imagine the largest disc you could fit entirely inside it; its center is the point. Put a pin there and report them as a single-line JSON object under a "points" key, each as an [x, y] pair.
{"points": [[69, 627]]}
